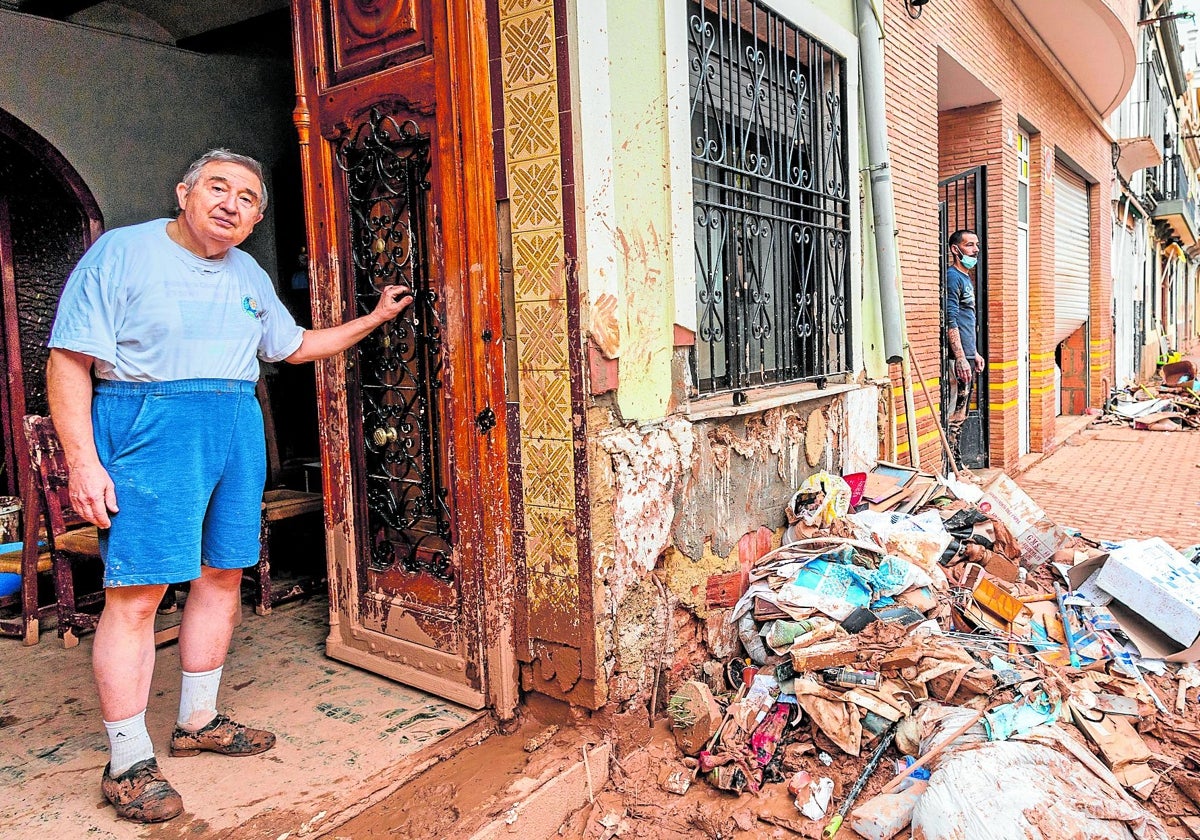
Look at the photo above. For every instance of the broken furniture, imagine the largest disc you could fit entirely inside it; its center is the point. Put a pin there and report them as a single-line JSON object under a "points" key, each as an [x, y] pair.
{"points": [[278, 505]]}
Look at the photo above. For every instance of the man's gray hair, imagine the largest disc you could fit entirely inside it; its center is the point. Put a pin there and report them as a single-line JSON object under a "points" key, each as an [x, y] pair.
{"points": [[225, 156]]}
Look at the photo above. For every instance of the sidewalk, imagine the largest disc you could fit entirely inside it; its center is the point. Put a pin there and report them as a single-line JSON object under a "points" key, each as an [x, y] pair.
{"points": [[1116, 483]]}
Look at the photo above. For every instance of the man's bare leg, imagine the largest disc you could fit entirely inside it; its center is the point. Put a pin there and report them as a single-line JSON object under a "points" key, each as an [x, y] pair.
{"points": [[123, 650], [209, 616]]}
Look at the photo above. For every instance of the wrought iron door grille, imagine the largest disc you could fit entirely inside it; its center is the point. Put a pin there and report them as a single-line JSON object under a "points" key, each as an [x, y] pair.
{"points": [[399, 366], [772, 204]]}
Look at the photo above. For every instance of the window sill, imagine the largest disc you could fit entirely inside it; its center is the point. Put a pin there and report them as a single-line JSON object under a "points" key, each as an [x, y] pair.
{"points": [[761, 399]]}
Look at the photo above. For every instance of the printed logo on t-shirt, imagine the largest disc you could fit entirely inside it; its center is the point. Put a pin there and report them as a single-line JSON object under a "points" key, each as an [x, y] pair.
{"points": [[253, 309]]}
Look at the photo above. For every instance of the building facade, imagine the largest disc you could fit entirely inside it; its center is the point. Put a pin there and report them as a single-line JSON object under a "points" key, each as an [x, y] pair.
{"points": [[650, 297]]}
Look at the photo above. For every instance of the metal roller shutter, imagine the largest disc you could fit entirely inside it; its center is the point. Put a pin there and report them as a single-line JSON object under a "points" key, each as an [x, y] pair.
{"points": [[1072, 264]]}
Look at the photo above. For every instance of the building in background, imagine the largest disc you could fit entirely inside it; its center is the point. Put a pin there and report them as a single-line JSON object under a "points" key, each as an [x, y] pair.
{"points": [[1156, 236]]}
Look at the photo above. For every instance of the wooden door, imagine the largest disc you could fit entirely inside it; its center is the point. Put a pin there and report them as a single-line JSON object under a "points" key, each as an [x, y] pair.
{"points": [[394, 123]]}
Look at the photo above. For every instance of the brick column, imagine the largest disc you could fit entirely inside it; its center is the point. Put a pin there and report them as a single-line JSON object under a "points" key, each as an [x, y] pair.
{"points": [[1100, 363], [1041, 291]]}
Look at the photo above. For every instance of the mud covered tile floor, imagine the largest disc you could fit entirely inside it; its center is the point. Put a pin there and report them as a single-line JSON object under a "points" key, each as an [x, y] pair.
{"points": [[343, 737]]}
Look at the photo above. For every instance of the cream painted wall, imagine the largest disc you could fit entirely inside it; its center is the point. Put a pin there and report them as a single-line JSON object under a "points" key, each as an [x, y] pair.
{"points": [[130, 114], [641, 203]]}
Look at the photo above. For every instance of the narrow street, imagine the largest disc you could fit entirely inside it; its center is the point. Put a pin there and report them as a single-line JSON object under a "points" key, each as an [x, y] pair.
{"points": [[1114, 483], [1111, 482]]}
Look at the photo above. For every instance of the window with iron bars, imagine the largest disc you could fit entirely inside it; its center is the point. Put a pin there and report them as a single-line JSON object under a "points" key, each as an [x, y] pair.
{"points": [[772, 201]]}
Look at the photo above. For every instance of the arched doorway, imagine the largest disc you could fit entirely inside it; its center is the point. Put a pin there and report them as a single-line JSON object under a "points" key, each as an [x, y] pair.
{"points": [[48, 218]]}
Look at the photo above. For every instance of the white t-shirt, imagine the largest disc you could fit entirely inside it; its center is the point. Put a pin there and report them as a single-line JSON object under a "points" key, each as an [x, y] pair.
{"points": [[149, 310]]}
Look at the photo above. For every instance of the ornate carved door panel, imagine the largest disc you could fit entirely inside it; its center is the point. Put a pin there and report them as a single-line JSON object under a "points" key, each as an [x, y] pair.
{"points": [[395, 145]]}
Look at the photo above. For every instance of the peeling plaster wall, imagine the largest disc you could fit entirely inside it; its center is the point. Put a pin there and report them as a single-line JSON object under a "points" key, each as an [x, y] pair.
{"points": [[650, 471], [683, 500]]}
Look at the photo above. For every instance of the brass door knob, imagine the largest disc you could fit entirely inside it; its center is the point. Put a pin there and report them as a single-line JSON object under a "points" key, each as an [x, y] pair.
{"points": [[384, 435]]}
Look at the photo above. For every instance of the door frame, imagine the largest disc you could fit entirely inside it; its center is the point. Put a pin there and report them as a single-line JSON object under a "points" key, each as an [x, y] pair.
{"points": [[464, 91], [1024, 431], [15, 457]]}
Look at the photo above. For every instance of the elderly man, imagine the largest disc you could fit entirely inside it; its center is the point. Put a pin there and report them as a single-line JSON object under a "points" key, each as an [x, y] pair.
{"points": [[166, 451]]}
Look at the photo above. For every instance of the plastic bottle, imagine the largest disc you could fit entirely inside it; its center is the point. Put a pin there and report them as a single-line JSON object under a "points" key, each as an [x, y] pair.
{"points": [[885, 816]]}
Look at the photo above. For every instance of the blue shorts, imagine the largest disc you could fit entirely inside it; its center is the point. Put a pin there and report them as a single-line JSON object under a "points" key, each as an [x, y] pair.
{"points": [[188, 461]]}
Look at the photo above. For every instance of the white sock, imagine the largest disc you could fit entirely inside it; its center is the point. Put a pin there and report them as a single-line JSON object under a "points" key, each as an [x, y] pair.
{"points": [[198, 698], [128, 743]]}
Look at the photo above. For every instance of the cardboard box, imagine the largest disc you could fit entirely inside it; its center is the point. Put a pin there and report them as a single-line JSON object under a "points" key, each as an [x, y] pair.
{"points": [[1151, 642], [1152, 579], [1035, 532]]}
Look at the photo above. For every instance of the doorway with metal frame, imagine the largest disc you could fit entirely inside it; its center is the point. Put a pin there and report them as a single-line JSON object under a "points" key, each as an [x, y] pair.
{"points": [[962, 204]]}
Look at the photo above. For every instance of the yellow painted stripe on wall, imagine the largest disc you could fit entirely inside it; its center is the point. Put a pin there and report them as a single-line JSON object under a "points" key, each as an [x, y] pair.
{"points": [[1000, 386], [901, 419], [1003, 365], [921, 441], [1041, 356], [1045, 389], [1004, 406]]}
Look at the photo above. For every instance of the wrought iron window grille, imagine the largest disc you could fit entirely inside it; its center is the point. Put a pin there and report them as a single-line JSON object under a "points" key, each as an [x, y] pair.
{"points": [[772, 197]]}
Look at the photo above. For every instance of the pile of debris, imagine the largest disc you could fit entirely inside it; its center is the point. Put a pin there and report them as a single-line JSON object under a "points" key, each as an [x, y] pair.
{"points": [[1173, 405], [917, 646]]}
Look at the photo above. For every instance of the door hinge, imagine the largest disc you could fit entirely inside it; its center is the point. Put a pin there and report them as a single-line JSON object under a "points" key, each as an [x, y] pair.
{"points": [[486, 420]]}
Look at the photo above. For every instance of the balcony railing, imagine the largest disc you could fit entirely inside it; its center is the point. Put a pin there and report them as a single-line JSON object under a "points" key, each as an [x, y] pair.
{"points": [[1168, 190], [1144, 111]]}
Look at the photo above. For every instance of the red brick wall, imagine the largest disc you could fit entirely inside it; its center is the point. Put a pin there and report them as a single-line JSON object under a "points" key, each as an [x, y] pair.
{"points": [[926, 145], [1074, 363]]}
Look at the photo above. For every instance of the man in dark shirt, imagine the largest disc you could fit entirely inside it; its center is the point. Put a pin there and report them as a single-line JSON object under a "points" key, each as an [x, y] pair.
{"points": [[960, 328]]}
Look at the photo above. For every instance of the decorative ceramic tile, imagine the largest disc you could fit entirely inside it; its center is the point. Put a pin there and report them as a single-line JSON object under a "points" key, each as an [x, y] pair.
{"points": [[509, 8], [527, 50], [538, 266], [550, 541], [554, 607], [545, 404], [553, 603], [548, 473], [531, 122], [535, 192], [542, 336]]}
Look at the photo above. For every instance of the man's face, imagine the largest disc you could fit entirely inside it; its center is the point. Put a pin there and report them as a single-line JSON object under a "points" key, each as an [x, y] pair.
{"points": [[222, 208], [968, 246]]}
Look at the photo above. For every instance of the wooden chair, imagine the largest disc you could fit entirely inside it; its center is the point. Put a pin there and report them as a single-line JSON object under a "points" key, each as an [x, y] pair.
{"points": [[70, 539], [279, 505], [29, 562]]}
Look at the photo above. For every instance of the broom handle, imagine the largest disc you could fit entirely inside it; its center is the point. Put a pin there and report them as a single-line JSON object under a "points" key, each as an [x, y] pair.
{"points": [[936, 419]]}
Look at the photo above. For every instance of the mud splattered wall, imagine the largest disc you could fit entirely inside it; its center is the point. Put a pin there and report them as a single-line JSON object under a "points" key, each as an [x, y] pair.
{"points": [[677, 493]]}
